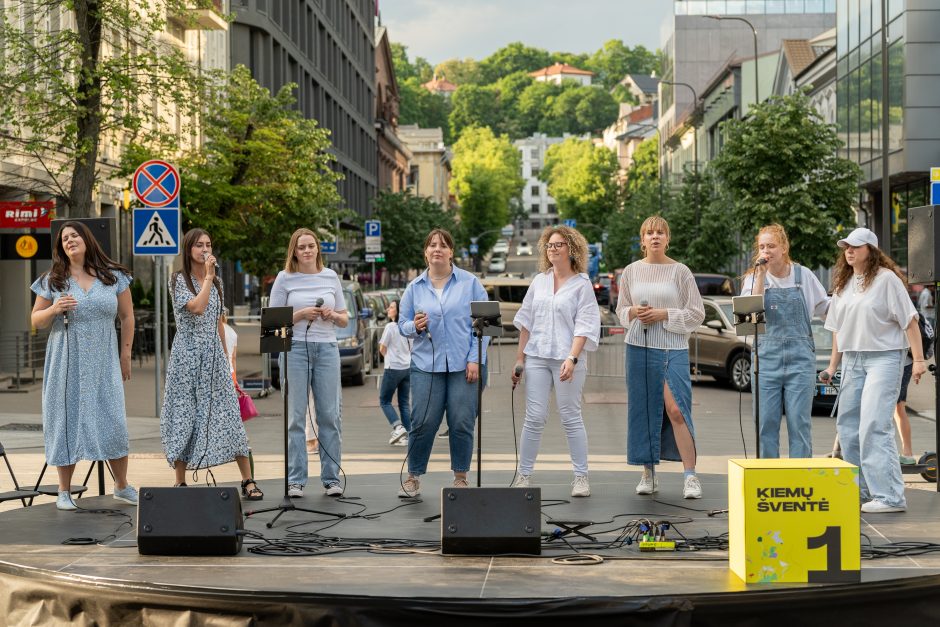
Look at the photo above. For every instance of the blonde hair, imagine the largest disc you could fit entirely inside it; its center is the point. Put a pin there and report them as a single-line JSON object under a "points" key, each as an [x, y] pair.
{"points": [[577, 247], [653, 223], [291, 264], [780, 235]]}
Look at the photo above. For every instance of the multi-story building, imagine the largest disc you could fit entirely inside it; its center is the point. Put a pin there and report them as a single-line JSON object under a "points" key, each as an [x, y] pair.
{"points": [[697, 48], [430, 162], [394, 157], [912, 98], [328, 49], [562, 72], [538, 205], [634, 125]]}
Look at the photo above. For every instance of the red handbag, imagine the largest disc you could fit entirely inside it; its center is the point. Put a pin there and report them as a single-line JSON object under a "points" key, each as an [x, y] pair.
{"points": [[246, 406]]}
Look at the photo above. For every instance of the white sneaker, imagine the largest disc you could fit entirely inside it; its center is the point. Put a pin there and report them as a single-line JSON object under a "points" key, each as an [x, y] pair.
{"points": [[580, 486], [398, 433], [692, 488], [648, 483], [295, 490], [334, 489], [880, 507], [411, 487], [521, 481], [402, 442], [65, 503]]}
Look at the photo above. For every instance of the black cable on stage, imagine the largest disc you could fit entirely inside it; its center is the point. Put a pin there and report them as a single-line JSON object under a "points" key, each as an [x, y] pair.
{"points": [[515, 442]]}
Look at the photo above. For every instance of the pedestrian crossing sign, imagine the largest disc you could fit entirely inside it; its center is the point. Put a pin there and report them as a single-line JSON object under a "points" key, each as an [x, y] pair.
{"points": [[156, 231]]}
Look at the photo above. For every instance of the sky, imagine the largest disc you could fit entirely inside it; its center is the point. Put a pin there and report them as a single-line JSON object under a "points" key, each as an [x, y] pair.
{"points": [[444, 29]]}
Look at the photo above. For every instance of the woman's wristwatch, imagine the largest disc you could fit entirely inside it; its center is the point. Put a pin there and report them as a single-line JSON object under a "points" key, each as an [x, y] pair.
{"points": [[573, 359]]}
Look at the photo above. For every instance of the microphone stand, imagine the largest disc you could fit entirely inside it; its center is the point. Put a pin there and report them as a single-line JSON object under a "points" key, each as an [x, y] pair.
{"points": [[749, 319], [276, 332]]}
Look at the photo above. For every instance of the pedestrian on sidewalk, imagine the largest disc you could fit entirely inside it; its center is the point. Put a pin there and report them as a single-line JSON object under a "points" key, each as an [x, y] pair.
{"points": [[792, 296], [660, 305], [874, 322], [83, 413], [435, 314], [396, 378], [313, 372], [200, 422], [559, 320]]}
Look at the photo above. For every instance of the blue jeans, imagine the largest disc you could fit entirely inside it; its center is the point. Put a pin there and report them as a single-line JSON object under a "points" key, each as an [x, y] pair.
{"points": [[399, 380], [315, 364], [435, 392], [787, 382], [870, 384]]}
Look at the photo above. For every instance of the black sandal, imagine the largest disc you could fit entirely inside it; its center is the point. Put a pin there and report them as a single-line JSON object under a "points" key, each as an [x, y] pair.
{"points": [[179, 485], [254, 494]]}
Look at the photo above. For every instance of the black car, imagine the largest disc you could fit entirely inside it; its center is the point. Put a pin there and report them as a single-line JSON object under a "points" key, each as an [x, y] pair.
{"points": [[714, 285]]}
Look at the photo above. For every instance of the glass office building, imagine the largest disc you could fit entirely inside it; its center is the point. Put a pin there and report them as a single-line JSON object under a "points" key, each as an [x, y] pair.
{"points": [[912, 98]]}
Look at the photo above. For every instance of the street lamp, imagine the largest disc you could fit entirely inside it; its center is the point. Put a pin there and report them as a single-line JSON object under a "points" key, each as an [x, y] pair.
{"points": [[754, 32], [694, 140]]}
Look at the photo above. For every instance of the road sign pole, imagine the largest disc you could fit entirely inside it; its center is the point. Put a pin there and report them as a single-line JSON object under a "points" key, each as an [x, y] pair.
{"points": [[156, 334], [373, 275]]}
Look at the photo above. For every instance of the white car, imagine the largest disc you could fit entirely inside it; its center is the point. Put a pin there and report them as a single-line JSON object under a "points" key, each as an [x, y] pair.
{"points": [[497, 264], [523, 249], [501, 246]]}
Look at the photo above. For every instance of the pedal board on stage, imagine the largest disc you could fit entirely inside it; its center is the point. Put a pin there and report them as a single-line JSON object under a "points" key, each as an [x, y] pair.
{"points": [[491, 521]]}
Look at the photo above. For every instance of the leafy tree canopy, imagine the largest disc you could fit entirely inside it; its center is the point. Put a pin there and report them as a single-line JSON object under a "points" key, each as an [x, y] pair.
{"points": [[615, 60], [460, 72], [642, 198], [472, 105], [406, 221], [421, 107], [780, 164], [404, 68]]}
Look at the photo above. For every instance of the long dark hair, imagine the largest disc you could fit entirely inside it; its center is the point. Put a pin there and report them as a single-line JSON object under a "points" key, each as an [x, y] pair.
{"points": [[97, 263], [189, 240], [877, 259], [397, 304]]}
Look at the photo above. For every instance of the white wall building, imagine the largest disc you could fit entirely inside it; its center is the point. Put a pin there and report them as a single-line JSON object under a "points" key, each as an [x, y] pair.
{"points": [[539, 206]]}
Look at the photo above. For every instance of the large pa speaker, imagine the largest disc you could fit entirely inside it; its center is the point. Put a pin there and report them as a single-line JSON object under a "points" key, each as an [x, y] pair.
{"points": [[189, 521], [922, 236], [491, 521], [102, 228]]}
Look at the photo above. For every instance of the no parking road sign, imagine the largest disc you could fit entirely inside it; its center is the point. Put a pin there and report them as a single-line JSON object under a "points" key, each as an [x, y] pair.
{"points": [[157, 225]]}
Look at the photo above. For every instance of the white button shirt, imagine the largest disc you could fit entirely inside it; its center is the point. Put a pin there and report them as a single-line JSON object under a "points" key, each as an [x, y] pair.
{"points": [[555, 319]]}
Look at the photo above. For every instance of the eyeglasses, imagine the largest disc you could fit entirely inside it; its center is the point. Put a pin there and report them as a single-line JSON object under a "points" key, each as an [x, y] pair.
{"points": [[551, 245]]}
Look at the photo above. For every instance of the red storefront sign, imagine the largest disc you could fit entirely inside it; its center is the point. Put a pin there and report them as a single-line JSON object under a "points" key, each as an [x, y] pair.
{"points": [[26, 214]]}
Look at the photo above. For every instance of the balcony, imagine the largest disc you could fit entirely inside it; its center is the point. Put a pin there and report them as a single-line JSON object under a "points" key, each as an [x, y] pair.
{"points": [[211, 19]]}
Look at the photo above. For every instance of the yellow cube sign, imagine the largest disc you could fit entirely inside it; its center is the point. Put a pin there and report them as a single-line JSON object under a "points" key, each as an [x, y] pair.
{"points": [[794, 520]]}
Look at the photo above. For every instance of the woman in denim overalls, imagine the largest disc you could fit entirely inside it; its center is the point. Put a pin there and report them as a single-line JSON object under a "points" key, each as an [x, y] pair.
{"points": [[787, 353]]}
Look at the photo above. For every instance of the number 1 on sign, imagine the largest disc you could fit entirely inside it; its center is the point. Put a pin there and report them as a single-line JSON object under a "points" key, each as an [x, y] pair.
{"points": [[831, 538]]}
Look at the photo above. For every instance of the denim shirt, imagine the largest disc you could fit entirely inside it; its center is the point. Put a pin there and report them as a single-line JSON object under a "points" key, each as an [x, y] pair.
{"points": [[454, 345]]}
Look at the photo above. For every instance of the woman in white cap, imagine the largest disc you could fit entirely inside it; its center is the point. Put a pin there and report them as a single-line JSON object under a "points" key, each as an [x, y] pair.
{"points": [[874, 322]]}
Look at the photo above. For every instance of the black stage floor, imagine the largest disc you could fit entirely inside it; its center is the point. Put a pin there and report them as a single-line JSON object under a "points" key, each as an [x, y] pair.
{"points": [[383, 565]]}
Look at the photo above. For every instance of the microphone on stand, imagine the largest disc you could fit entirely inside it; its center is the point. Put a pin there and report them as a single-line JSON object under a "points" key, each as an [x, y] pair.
{"points": [[317, 303], [420, 312]]}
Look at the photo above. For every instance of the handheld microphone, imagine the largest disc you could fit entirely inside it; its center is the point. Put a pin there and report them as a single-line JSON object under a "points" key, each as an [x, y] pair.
{"points": [[317, 303], [205, 256], [645, 303], [65, 316], [518, 372], [760, 262], [420, 312]]}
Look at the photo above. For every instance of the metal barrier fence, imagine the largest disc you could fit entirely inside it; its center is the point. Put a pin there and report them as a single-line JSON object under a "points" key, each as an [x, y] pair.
{"points": [[24, 355], [606, 361]]}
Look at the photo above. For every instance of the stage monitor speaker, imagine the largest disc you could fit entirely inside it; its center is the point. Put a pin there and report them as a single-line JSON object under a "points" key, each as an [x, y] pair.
{"points": [[102, 228], [491, 521], [922, 237], [189, 521]]}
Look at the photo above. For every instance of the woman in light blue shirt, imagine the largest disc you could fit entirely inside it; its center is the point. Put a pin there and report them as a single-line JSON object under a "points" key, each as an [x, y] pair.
{"points": [[435, 313]]}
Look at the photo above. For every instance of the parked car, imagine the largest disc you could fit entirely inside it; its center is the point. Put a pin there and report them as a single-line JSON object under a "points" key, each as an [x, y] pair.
{"points": [[523, 249], [501, 246], [497, 263], [825, 394], [602, 290], [716, 350], [714, 285]]}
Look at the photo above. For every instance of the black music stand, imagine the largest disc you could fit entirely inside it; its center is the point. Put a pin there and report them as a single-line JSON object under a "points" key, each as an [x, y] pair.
{"points": [[276, 333], [749, 320]]}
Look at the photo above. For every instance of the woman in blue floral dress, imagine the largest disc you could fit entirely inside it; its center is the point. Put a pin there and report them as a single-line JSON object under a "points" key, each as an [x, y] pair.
{"points": [[83, 414], [201, 424]]}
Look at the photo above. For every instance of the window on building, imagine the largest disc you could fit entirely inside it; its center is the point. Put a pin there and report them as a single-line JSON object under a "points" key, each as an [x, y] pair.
{"points": [[534, 208], [535, 190], [535, 172], [536, 224], [551, 208]]}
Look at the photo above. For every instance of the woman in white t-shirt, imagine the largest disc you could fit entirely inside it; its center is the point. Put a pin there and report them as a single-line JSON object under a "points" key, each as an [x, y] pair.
{"points": [[396, 378], [792, 296], [559, 320], [874, 322]]}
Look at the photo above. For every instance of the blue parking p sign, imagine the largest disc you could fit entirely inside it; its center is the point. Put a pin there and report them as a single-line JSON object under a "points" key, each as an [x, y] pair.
{"points": [[474, 249], [373, 228], [571, 222]]}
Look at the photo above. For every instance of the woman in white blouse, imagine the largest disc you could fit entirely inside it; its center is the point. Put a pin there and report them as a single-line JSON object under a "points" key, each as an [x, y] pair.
{"points": [[660, 305], [874, 322], [558, 321]]}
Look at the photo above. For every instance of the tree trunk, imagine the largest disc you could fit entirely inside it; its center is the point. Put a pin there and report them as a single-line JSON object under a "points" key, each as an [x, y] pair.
{"points": [[88, 27]]}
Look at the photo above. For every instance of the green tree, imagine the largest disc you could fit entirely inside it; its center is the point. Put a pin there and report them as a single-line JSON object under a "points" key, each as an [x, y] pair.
{"points": [[472, 105], [514, 57], [421, 107], [533, 105], [404, 68], [578, 109], [703, 234], [406, 221], [460, 72], [642, 198], [486, 178], [263, 171], [780, 164], [614, 60], [79, 72], [582, 178], [509, 89]]}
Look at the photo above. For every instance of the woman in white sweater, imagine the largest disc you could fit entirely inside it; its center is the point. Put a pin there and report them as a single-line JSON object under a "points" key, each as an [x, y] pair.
{"points": [[660, 305]]}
